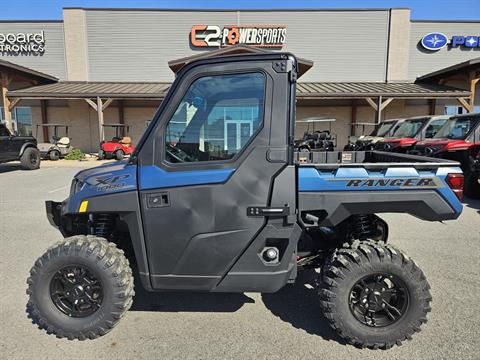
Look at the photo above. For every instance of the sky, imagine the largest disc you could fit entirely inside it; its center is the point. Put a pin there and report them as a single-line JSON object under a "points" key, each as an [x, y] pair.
{"points": [[421, 9]]}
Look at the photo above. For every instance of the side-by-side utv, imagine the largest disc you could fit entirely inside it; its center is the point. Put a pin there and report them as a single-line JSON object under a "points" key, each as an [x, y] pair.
{"points": [[214, 199]]}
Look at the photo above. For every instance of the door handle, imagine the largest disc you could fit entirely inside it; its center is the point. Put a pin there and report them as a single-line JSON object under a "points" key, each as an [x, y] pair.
{"points": [[261, 211], [157, 200]]}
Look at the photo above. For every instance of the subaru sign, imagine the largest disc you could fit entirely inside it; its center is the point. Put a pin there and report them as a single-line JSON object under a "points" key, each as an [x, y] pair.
{"points": [[435, 41]]}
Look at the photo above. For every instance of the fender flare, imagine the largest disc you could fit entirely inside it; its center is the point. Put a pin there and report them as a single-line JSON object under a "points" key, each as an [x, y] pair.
{"points": [[25, 146]]}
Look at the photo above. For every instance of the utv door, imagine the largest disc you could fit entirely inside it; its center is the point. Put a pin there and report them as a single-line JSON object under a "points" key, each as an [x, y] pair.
{"points": [[215, 157]]}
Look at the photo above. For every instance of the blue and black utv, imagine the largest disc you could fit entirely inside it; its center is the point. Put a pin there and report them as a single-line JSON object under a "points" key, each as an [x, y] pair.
{"points": [[215, 199]]}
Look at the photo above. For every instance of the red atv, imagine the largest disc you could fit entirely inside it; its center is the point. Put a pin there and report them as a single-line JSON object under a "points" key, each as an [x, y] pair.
{"points": [[410, 131], [456, 141], [119, 146]]}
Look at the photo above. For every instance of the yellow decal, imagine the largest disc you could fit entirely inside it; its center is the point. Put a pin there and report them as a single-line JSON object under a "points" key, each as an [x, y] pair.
{"points": [[83, 206]]}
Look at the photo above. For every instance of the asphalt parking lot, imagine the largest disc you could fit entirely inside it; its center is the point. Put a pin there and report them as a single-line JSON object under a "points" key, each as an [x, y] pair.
{"points": [[285, 325]]}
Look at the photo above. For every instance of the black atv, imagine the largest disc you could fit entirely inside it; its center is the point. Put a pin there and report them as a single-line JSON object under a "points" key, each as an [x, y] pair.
{"points": [[17, 147]]}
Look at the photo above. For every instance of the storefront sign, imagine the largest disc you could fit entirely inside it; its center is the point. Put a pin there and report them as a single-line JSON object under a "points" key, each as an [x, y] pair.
{"points": [[229, 35], [22, 43], [436, 41]]}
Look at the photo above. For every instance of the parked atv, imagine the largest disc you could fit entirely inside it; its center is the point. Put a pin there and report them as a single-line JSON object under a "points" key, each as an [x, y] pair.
{"points": [[410, 131], [119, 146], [15, 147], [320, 140], [367, 142], [58, 147], [454, 142], [222, 206]]}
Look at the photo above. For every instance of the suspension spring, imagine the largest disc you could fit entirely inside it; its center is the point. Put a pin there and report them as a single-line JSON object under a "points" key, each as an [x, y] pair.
{"points": [[363, 227], [103, 224]]}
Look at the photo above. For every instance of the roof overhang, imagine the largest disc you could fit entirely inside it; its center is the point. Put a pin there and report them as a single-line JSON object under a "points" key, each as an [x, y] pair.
{"points": [[22, 73], [465, 69]]}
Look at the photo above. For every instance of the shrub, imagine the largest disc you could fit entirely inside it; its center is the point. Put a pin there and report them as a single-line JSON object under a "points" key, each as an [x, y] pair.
{"points": [[75, 154]]}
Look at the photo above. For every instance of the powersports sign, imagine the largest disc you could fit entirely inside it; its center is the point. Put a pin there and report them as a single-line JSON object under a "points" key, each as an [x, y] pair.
{"points": [[22, 43], [229, 35]]}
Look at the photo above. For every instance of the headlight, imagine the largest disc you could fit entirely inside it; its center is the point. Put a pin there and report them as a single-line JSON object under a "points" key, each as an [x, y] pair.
{"points": [[76, 186]]}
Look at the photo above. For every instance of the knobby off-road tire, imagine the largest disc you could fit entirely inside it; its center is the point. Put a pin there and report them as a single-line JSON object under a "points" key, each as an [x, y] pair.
{"points": [[102, 261], [349, 266], [471, 187], [30, 159]]}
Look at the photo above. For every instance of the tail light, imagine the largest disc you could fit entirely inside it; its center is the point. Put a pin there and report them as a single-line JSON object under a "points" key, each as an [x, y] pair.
{"points": [[455, 182]]}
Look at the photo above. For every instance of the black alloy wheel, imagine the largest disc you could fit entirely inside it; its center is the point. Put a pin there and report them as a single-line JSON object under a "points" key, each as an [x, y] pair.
{"points": [[76, 292], [379, 300]]}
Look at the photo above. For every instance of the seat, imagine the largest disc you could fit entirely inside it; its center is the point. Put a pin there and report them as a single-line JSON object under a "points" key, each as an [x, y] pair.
{"points": [[126, 140], [63, 142]]}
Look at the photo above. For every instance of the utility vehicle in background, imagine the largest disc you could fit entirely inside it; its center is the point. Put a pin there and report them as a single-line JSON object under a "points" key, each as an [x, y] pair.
{"points": [[454, 141], [17, 147], [320, 140], [58, 147], [221, 204], [119, 146], [367, 142], [410, 131]]}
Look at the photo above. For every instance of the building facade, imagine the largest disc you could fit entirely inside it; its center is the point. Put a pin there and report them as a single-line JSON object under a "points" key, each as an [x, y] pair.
{"points": [[364, 46]]}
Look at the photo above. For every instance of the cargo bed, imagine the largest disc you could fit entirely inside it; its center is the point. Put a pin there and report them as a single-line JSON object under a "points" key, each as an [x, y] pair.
{"points": [[368, 160]]}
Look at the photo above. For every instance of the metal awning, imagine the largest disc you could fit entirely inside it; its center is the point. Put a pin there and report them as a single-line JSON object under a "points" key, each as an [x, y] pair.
{"points": [[305, 90], [93, 89], [360, 90]]}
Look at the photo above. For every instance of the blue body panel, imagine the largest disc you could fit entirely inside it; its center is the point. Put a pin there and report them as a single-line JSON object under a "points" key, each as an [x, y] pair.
{"points": [[106, 179], [312, 179], [153, 177]]}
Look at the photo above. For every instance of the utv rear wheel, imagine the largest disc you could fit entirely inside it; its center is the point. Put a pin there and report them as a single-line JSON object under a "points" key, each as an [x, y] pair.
{"points": [[119, 154], [54, 155], [101, 155], [30, 159], [373, 295], [471, 185], [80, 288]]}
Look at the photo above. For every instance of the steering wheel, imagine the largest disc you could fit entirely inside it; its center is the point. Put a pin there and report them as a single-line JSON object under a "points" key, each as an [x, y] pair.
{"points": [[177, 154]]}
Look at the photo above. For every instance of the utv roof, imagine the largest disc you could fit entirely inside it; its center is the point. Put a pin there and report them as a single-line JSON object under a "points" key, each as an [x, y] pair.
{"points": [[237, 51]]}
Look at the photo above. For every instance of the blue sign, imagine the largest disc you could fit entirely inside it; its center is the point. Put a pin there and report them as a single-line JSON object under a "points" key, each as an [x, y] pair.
{"points": [[434, 41], [467, 41]]}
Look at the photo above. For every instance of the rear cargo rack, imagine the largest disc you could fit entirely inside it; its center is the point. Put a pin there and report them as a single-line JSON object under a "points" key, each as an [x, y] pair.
{"points": [[373, 160]]}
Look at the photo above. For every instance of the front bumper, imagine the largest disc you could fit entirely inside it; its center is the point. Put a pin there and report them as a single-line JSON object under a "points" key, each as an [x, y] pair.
{"points": [[54, 213]]}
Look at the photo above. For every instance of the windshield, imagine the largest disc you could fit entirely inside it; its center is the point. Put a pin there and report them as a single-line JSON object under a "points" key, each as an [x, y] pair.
{"points": [[409, 128], [457, 128], [382, 129]]}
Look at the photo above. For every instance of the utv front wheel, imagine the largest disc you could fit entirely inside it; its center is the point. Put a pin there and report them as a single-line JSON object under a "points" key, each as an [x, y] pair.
{"points": [[80, 288], [373, 295]]}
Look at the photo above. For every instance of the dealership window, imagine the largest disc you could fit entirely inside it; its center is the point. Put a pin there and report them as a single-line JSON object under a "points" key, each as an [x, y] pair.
{"points": [[216, 118], [457, 110], [21, 119]]}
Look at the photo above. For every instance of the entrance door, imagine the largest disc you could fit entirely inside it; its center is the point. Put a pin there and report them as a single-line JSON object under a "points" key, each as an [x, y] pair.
{"points": [[237, 133], [200, 170]]}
